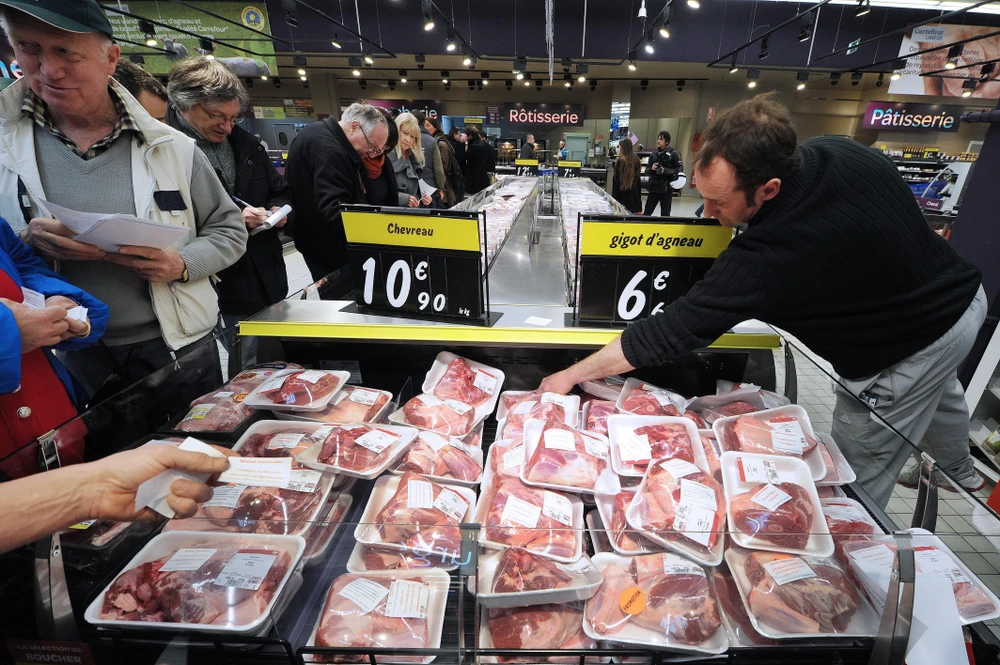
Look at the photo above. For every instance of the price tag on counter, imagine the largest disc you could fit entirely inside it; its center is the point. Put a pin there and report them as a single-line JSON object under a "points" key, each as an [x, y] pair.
{"points": [[424, 264], [633, 267], [526, 167], [569, 169]]}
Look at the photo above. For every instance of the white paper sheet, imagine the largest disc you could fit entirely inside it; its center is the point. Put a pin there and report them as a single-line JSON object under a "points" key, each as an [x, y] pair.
{"points": [[111, 232], [425, 189]]}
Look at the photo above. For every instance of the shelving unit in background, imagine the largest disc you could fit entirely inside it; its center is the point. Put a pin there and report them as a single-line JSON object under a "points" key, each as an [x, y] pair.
{"points": [[982, 396]]}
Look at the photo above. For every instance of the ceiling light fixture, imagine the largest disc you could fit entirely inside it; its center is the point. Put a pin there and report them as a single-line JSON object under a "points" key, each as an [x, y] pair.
{"points": [[520, 76], [451, 44], [527, 83], [802, 78], [694, 4], [864, 6], [538, 84], [149, 30], [302, 72], [369, 60], [356, 72], [631, 65], [207, 46], [764, 48], [649, 45], [428, 21], [402, 75], [363, 83], [303, 78], [581, 78], [968, 87], [806, 27], [834, 78], [263, 77], [752, 76], [986, 70], [335, 42], [593, 85], [732, 66], [643, 84], [642, 10], [881, 80], [954, 53], [856, 78]]}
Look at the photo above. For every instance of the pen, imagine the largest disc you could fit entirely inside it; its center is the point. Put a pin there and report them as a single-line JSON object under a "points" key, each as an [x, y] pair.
{"points": [[241, 202]]}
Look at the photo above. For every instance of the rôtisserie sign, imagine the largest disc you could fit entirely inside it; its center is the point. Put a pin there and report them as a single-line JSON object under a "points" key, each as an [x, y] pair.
{"points": [[543, 114]]}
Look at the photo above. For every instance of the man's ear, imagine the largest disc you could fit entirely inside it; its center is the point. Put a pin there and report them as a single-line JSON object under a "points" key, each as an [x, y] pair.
{"points": [[770, 189]]}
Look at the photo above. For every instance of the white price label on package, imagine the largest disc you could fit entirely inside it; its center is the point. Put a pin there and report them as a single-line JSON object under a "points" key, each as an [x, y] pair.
{"points": [[695, 521], [518, 511], [274, 383], [429, 400], [363, 396], [188, 558], [932, 561], [558, 439], [321, 434], [199, 411], [595, 447], [554, 398], [419, 494], [365, 593], [304, 480], [258, 471], [513, 458], [698, 493], [675, 565], [485, 381], [783, 571], [679, 468], [223, 394], [407, 600], [225, 496], [771, 497], [787, 436], [460, 408], [844, 513], [874, 558], [524, 407], [634, 447], [663, 398], [435, 441], [246, 570], [32, 299], [451, 504], [285, 440], [376, 440], [758, 470], [311, 375], [558, 507]]}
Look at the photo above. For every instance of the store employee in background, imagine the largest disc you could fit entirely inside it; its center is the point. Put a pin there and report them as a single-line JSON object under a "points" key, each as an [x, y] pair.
{"points": [[528, 147], [837, 253]]}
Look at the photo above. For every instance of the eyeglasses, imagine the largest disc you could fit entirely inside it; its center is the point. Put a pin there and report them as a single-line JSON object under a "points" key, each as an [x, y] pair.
{"points": [[372, 150], [221, 117]]}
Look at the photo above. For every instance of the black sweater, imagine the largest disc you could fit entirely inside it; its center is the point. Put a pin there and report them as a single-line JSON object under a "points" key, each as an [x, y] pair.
{"points": [[842, 258]]}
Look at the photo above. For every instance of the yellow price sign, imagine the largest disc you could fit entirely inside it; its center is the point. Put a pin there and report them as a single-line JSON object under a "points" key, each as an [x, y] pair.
{"points": [[428, 232]]}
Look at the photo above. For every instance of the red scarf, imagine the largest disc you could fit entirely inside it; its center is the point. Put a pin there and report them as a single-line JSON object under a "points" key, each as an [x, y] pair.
{"points": [[374, 166]]}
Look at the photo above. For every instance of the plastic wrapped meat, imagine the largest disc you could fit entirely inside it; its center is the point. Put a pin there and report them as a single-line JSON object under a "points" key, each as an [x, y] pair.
{"points": [[549, 407], [625, 537], [379, 559], [732, 604], [566, 457], [680, 501], [445, 457], [832, 473], [781, 514], [669, 441], [205, 594], [283, 442], [519, 570], [778, 436], [714, 463], [847, 522], [321, 531], [646, 401], [521, 516], [359, 448], [726, 410], [800, 594], [223, 410], [464, 384], [548, 627], [679, 599], [695, 418], [597, 416], [507, 458], [353, 405], [358, 614], [243, 509], [301, 388], [423, 516], [449, 418]]}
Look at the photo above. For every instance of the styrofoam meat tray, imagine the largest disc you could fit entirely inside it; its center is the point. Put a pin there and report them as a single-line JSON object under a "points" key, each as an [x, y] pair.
{"points": [[437, 580], [792, 470], [854, 507], [509, 446], [599, 537], [476, 453], [608, 388], [367, 531], [749, 394], [312, 432], [864, 623], [631, 633], [404, 437], [605, 510], [316, 416], [607, 482], [166, 543], [844, 468], [398, 417], [814, 460], [315, 556], [586, 579], [621, 425], [570, 404], [486, 642], [431, 561], [637, 384], [258, 401], [440, 366]]}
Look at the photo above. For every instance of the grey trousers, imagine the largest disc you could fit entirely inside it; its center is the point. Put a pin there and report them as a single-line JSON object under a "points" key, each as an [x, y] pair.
{"points": [[922, 398]]}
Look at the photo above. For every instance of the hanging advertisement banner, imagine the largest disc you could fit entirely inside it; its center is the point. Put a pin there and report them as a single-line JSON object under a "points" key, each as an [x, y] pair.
{"points": [[929, 36]]}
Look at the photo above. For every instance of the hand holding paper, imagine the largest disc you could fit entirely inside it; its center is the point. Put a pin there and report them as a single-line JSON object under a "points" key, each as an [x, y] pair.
{"points": [[154, 265], [38, 326], [171, 480], [277, 218], [52, 240]]}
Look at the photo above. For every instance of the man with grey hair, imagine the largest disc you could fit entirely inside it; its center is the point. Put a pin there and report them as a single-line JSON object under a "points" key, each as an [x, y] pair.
{"points": [[206, 101], [324, 172], [528, 147], [72, 135]]}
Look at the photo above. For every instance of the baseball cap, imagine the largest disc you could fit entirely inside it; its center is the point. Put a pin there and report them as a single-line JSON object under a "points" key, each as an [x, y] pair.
{"points": [[69, 15]]}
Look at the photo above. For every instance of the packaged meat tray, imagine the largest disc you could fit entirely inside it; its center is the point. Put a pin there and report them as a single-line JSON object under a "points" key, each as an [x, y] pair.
{"points": [[848, 520], [101, 535], [870, 564], [546, 522], [713, 452], [595, 414], [516, 577], [735, 619], [412, 514], [549, 627], [326, 527], [792, 597], [644, 399], [505, 458], [518, 407], [773, 505], [658, 600], [353, 404], [359, 450], [384, 610], [275, 438], [204, 582], [443, 459], [598, 534], [452, 377], [608, 388], [298, 390], [622, 538], [747, 399], [783, 431], [637, 440], [838, 469], [683, 509], [562, 458], [446, 417], [365, 558]]}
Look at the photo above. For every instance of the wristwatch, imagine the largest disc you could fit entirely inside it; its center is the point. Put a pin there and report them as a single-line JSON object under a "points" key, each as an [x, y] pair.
{"points": [[184, 276]]}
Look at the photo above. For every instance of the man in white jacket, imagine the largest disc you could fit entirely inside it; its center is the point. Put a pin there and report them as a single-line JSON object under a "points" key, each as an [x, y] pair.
{"points": [[72, 136]]}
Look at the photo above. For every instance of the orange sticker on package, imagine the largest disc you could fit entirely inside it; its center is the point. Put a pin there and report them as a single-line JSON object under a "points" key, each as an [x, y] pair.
{"points": [[632, 600]]}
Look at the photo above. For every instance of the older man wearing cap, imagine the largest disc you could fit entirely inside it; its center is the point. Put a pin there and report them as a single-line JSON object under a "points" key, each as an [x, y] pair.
{"points": [[71, 135]]}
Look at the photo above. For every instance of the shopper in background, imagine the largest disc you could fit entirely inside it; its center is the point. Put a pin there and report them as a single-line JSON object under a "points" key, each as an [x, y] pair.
{"points": [[837, 253], [453, 174], [433, 173], [142, 85], [477, 158], [97, 150], [664, 166], [562, 154], [458, 145], [408, 163], [491, 159], [378, 177], [528, 147], [206, 101], [626, 189], [324, 171]]}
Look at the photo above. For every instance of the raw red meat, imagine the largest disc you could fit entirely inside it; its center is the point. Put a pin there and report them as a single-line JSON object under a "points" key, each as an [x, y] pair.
{"points": [[344, 623], [302, 388], [563, 457], [287, 441], [507, 458], [546, 627], [511, 399], [667, 442], [694, 417], [832, 474], [823, 602], [321, 531], [227, 409], [343, 450], [625, 537], [257, 510], [646, 401], [597, 416], [787, 525], [752, 435], [459, 383], [450, 419], [736, 409], [423, 516], [547, 536], [729, 597], [550, 408], [145, 593], [843, 525], [714, 463], [603, 609], [519, 570], [663, 494], [379, 559], [352, 405], [434, 455]]}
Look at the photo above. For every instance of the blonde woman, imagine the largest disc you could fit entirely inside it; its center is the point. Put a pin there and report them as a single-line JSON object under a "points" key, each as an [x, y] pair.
{"points": [[408, 162]]}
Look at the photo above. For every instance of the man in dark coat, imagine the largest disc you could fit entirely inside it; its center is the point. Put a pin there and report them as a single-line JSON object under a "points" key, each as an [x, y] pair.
{"points": [[477, 157]]}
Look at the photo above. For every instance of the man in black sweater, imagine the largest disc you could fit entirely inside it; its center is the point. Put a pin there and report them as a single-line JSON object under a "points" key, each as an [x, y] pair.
{"points": [[837, 253], [664, 165]]}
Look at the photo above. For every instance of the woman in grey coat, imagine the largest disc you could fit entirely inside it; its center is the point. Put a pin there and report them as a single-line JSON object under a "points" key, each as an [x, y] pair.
{"points": [[408, 162]]}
